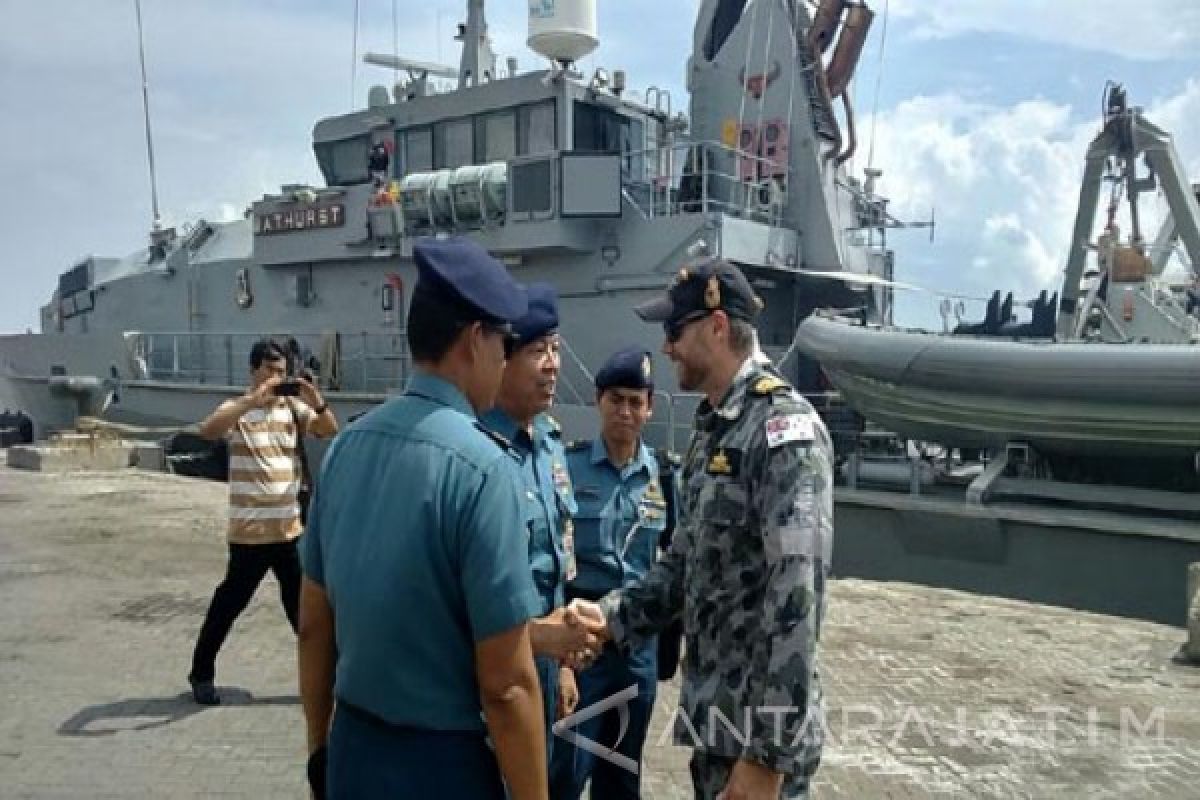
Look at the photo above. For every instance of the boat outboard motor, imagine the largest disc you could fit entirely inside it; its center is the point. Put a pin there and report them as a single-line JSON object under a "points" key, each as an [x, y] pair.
{"points": [[991, 320], [1043, 325], [1006, 315], [1042, 314]]}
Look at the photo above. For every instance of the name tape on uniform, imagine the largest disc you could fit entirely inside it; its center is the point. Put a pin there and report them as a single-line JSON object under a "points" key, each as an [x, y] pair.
{"points": [[789, 428]]}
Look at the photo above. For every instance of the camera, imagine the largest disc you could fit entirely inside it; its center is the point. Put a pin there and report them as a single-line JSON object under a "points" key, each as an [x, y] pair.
{"points": [[287, 389]]}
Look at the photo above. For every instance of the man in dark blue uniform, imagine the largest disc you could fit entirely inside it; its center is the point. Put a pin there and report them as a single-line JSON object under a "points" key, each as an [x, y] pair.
{"points": [[548, 502], [624, 507], [417, 592]]}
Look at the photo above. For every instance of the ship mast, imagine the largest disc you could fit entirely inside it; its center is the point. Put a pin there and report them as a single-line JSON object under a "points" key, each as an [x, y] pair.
{"points": [[478, 61], [157, 227]]}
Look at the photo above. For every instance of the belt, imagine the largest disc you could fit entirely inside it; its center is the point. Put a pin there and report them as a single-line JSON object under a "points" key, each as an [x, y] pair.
{"points": [[591, 595], [376, 721], [362, 715]]}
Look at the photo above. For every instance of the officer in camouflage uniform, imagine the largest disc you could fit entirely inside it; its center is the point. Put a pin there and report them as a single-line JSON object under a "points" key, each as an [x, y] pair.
{"points": [[748, 564]]}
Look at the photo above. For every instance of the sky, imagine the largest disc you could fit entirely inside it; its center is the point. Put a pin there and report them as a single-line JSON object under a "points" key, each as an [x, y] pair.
{"points": [[978, 111]]}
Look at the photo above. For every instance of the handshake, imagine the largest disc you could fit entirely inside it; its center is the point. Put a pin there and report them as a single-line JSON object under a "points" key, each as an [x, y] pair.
{"points": [[573, 635]]}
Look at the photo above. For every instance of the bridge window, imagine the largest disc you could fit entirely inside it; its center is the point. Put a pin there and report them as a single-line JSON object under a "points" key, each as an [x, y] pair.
{"points": [[418, 151], [602, 130], [455, 143], [344, 162], [537, 129], [599, 130], [495, 136]]}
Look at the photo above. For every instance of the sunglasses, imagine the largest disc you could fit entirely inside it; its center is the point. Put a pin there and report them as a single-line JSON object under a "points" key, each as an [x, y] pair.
{"points": [[673, 329], [510, 338]]}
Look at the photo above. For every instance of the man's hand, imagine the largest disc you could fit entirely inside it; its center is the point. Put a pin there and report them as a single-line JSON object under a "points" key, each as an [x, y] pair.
{"points": [[263, 395], [752, 781], [588, 615], [564, 637], [308, 392], [568, 692]]}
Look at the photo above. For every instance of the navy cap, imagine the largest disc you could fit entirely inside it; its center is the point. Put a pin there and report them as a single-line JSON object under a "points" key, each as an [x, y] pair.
{"points": [[708, 285], [628, 368], [460, 270], [542, 316]]}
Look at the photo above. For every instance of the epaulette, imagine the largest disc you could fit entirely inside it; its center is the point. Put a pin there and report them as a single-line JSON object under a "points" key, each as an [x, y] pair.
{"points": [[769, 384], [578, 445], [501, 441], [552, 427]]}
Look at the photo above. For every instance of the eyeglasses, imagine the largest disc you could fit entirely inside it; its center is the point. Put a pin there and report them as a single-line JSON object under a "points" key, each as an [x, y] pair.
{"points": [[673, 329]]}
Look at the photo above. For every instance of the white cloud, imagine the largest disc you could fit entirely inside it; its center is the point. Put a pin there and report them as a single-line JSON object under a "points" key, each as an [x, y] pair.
{"points": [[1005, 183], [1146, 30], [235, 89]]}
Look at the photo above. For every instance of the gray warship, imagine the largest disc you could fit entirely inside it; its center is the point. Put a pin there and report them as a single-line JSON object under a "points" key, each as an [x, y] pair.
{"points": [[568, 178], [603, 191]]}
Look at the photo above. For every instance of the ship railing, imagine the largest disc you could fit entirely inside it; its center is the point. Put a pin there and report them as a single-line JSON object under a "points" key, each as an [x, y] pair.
{"points": [[576, 384], [670, 425], [362, 362], [685, 179]]}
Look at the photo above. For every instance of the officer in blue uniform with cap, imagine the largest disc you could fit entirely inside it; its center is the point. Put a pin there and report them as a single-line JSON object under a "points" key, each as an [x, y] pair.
{"points": [[548, 502], [626, 499], [417, 594]]}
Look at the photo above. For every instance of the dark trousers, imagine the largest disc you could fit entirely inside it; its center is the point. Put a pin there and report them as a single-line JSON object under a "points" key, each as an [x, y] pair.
{"points": [[571, 766], [370, 759], [710, 774], [547, 671], [248, 564]]}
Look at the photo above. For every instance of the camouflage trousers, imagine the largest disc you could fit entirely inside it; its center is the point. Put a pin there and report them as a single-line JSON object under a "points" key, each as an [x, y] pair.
{"points": [[710, 774]]}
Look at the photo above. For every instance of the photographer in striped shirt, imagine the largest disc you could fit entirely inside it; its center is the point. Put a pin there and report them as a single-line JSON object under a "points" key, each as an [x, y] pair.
{"points": [[265, 428]]}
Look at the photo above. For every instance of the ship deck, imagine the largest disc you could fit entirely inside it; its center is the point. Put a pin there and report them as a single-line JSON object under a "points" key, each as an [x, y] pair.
{"points": [[104, 578]]}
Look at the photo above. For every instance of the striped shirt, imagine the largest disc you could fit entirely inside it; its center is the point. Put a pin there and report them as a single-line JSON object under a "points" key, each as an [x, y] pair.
{"points": [[264, 474]]}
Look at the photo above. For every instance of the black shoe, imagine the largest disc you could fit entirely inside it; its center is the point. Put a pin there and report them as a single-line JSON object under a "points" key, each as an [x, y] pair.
{"points": [[204, 693]]}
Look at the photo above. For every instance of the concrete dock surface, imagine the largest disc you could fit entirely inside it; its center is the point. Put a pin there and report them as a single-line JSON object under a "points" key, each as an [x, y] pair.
{"points": [[105, 577]]}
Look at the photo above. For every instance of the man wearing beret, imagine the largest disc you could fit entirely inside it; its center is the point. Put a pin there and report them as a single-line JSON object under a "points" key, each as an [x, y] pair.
{"points": [[417, 596], [625, 498], [748, 564], [547, 499]]}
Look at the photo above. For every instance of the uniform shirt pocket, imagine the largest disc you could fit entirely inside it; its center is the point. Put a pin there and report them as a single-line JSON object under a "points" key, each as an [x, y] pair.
{"points": [[723, 502]]}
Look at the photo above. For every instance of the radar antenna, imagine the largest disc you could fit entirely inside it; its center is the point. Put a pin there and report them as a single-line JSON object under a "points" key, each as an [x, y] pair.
{"points": [[137, 5]]}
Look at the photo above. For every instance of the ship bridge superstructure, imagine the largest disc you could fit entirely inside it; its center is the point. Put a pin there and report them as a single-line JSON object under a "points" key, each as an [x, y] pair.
{"points": [[572, 178]]}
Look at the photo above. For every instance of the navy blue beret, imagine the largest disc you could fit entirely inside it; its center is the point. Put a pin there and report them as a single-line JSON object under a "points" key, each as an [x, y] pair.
{"points": [[542, 316], [459, 269], [628, 368]]}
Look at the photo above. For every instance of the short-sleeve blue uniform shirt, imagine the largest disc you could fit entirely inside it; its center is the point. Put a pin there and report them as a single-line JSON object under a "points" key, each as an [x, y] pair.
{"points": [[417, 535], [622, 512], [548, 502]]}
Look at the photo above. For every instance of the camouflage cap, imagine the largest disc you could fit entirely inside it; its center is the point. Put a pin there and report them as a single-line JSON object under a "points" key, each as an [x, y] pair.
{"points": [[709, 285]]}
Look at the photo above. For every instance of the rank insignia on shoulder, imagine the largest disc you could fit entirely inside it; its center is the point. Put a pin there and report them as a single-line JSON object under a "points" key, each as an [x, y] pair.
{"points": [[500, 440], [768, 384], [553, 425], [724, 462]]}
